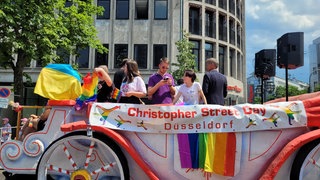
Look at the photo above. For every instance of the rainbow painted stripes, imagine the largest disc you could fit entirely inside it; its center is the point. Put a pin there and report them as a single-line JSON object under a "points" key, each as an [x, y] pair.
{"points": [[212, 152]]}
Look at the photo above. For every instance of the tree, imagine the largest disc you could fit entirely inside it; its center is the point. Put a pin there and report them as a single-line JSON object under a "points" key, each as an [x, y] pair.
{"points": [[316, 88], [185, 58], [36, 29], [292, 91]]}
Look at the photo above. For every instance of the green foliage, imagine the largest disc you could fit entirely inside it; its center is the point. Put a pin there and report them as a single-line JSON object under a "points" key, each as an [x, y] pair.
{"points": [[317, 88], [292, 91], [257, 100], [35, 30], [185, 58]]}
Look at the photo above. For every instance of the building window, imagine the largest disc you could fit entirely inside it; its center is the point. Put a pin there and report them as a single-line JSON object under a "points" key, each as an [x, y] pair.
{"points": [[213, 2], [160, 9], [63, 56], [209, 50], [122, 9], [106, 5], [196, 52], [194, 20], [232, 63], [239, 67], [223, 4], [101, 58], [141, 55], [221, 58], [159, 51], [238, 36], [210, 28], [39, 63], [232, 37], [68, 3], [222, 27], [82, 58], [142, 9], [232, 6], [239, 10], [30, 98], [120, 53]]}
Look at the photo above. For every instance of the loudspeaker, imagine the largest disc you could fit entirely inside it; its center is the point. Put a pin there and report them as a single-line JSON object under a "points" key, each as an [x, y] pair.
{"points": [[265, 62], [290, 50]]}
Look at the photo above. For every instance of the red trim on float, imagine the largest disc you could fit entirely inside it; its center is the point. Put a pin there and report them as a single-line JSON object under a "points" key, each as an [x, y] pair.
{"points": [[65, 102], [122, 141], [285, 153]]}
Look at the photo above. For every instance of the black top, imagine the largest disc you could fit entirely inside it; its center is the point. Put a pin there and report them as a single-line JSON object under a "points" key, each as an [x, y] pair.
{"points": [[130, 100], [118, 78], [104, 92]]}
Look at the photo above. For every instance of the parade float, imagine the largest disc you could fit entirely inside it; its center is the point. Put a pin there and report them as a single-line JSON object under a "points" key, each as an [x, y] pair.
{"points": [[83, 139]]}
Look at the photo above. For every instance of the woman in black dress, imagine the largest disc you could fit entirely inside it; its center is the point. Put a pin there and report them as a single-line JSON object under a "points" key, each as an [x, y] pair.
{"points": [[105, 86]]}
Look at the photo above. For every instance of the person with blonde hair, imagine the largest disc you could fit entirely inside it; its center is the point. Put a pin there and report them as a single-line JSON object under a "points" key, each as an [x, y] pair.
{"points": [[105, 85]]}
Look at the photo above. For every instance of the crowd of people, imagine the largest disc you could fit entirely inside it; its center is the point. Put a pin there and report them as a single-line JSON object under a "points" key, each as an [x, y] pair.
{"points": [[161, 90], [161, 85]]}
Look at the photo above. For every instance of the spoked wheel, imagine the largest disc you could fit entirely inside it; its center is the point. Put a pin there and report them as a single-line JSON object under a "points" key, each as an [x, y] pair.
{"points": [[79, 157], [306, 165]]}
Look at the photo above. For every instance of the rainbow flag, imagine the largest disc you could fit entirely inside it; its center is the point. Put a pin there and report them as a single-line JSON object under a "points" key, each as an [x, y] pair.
{"points": [[58, 82], [89, 90], [212, 152], [116, 94], [89, 87]]}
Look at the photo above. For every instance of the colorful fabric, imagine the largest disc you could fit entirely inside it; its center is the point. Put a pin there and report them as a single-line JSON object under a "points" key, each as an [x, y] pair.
{"points": [[89, 90], [58, 82], [212, 152], [116, 94]]}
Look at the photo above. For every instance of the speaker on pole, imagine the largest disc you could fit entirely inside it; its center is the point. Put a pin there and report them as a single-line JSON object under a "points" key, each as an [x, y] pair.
{"points": [[290, 50], [265, 61]]}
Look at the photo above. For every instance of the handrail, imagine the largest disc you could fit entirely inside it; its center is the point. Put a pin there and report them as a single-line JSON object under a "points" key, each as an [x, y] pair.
{"points": [[19, 116]]}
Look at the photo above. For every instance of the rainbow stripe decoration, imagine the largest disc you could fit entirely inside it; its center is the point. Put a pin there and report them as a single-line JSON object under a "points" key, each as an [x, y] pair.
{"points": [[116, 94], [212, 152], [89, 90], [58, 82]]}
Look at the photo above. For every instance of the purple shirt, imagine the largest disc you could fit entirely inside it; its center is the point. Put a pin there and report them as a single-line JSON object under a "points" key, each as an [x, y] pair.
{"points": [[162, 95]]}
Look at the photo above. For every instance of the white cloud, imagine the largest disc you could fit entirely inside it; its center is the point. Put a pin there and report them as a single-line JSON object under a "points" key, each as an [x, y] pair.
{"points": [[268, 20], [253, 11]]}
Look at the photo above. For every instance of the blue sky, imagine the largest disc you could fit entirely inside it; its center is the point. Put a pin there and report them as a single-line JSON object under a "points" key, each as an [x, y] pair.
{"points": [[268, 20]]}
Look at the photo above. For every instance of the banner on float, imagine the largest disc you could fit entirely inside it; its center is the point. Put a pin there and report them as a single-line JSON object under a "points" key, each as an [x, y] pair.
{"points": [[198, 118]]}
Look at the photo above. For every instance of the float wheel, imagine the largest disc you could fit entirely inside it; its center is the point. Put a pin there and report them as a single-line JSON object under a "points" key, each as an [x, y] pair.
{"points": [[77, 156], [306, 165]]}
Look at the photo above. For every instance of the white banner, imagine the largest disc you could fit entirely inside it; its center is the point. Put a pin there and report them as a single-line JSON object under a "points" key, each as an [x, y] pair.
{"points": [[198, 118]]}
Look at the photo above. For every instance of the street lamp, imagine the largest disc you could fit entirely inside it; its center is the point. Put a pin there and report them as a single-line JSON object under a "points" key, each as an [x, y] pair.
{"points": [[313, 72]]}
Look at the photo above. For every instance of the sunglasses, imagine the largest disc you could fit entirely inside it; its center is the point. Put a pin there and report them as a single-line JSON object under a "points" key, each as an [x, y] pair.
{"points": [[163, 67]]}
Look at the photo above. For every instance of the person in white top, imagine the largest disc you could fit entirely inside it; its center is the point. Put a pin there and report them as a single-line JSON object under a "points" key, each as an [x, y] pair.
{"points": [[179, 83], [133, 87], [191, 91]]}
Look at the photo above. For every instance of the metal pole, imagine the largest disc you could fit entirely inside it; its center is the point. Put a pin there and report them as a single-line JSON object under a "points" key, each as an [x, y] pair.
{"points": [[262, 91], [287, 91]]}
